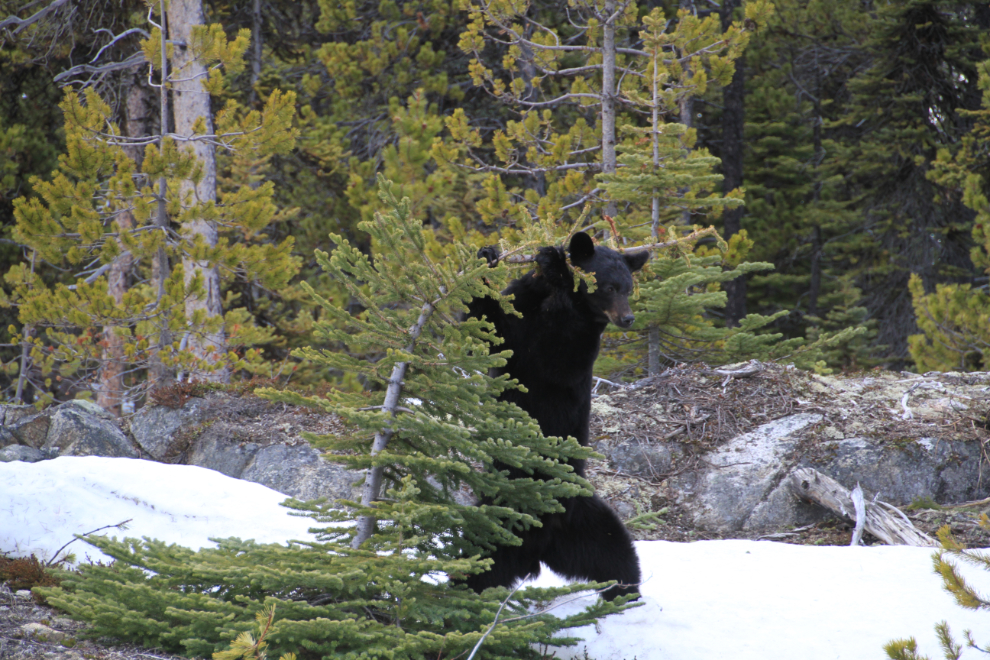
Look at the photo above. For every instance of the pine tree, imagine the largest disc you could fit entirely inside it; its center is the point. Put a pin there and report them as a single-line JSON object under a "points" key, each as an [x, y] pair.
{"points": [[955, 334], [574, 81], [798, 71], [556, 165], [431, 425], [904, 108], [372, 81], [76, 224]]}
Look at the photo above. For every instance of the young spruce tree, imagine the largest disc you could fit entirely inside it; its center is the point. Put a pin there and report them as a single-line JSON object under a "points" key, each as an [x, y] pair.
{"points": [[429, 425]]}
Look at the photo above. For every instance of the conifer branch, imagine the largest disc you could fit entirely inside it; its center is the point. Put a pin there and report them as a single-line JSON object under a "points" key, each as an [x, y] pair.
{"points": [[120, 525]]}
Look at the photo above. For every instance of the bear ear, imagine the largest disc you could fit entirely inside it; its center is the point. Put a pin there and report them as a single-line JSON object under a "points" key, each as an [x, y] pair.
{"points": [[581, 247], [636, 260]]}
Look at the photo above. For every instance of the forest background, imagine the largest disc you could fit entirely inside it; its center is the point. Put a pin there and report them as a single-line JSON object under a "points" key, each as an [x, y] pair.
{"points": [[855, 132]]}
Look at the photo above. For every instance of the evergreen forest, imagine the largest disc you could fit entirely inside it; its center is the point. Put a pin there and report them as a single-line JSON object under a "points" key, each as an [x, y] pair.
{"points": [[835, 152], [292, 194]]}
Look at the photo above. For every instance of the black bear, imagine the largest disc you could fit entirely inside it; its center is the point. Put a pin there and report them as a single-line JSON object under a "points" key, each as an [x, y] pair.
{"points": [[554, 346]]}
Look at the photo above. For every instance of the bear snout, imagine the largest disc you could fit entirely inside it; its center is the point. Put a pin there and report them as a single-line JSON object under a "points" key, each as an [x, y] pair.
{"points": [[624, 321], [627, 320]]}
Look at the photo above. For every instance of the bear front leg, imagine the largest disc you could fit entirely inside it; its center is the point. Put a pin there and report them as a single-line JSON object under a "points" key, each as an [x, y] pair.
{"points": [[487, 306]]}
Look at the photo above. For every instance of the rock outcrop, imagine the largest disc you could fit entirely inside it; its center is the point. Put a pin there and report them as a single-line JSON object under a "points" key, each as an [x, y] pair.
{"points": [[719, 449], [242, 437]]}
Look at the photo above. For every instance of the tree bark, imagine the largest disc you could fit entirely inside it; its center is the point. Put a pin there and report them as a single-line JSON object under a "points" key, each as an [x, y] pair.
{"points": [[191, 103], [608, 95], [158, 373], [653, 336], [136, 124], [256, 23], [373, 479], [733, 100]]}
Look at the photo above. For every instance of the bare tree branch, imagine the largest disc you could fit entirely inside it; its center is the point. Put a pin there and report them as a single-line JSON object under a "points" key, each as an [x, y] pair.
{"points": [[135, 60], [23, 23]]}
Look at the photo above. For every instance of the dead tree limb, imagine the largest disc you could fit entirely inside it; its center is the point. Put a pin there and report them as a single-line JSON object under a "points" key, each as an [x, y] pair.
{"points": [[23, 23], [134, 61], [813, 486], [512, 258]]}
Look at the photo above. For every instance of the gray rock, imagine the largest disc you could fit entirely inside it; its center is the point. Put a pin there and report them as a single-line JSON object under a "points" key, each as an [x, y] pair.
{"points": [[21, 453], [74, 432], [646, 459], [32, 430], [42, 633], [741, 474], [300, 472], [781, 509], [751, 493], [155, 427], [624, 509], [211, 450], [945, 471], [11, 414], [88, 407], [7, 438]]}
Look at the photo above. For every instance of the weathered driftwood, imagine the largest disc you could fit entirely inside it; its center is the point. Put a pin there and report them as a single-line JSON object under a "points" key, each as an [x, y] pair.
{"points": [[813, 486]]}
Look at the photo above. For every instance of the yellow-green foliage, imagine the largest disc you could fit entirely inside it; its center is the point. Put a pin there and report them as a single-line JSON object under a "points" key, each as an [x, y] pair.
{"points": [[563, 71], [953, 320], [74, 225]]}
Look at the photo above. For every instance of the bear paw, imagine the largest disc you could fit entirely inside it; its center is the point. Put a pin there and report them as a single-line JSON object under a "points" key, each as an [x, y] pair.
{"points": [[553, 266], [490, 254]]}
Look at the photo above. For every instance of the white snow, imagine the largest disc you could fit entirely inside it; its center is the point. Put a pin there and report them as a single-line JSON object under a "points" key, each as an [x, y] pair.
{"points": [[43, 504], [745, 600]]}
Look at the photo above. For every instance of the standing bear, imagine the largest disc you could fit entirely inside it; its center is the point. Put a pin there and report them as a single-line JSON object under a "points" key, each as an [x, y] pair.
{"points": [[554, 346]]}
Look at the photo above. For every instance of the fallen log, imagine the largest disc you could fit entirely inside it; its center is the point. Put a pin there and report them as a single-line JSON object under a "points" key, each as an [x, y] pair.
{"points": [[811, 485]]}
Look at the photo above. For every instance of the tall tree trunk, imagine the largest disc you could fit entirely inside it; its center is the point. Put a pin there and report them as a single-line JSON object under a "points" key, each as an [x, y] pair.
{"points": [[815, 286], [732, 167], [136, 124], [158, 373], [256, 23], [191, 103], [653, 336], [608, 95]]}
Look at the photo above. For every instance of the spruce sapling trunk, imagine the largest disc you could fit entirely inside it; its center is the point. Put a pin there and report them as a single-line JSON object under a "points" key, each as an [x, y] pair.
{"points": [[373, 480]]}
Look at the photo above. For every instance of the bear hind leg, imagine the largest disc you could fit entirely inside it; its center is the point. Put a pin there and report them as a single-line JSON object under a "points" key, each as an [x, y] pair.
{"points": [[593, 544]]}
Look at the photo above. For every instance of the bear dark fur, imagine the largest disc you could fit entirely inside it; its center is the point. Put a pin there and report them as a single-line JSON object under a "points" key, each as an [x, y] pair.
{"points": [[554, 346]]}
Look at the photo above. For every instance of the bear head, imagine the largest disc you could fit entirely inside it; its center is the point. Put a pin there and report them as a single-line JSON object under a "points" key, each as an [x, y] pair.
{"points": [[613, 276]]}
